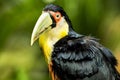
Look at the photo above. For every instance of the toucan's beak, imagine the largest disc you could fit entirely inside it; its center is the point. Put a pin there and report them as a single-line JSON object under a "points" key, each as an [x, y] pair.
{"points": [[42, 24]]}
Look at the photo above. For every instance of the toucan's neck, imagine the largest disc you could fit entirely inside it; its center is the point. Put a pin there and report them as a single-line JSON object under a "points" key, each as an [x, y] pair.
{"points": [[72, 32], [52, 35], [48, 38]]}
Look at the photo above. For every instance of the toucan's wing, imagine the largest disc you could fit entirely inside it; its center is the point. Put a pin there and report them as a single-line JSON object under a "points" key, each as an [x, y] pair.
{"points": [[83, 58], [111, 60]]}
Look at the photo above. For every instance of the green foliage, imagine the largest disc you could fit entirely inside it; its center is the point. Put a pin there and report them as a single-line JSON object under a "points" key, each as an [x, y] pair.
{"points": [[20, 61]]}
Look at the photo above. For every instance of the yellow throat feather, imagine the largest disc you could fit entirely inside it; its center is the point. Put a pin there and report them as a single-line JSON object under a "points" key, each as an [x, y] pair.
{"points": [[48, 38]]}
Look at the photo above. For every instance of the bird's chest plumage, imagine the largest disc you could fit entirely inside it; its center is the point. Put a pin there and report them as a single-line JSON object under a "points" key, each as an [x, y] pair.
{"points": [[75, 59]]}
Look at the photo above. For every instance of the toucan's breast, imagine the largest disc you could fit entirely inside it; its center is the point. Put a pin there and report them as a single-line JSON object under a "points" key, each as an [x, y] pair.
{"points": [[82, 59]]}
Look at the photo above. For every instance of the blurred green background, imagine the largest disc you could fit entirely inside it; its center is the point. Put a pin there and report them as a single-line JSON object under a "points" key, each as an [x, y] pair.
{"points": [[20, 61]]}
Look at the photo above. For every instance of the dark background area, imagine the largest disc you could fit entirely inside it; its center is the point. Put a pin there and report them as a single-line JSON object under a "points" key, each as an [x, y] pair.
{"points": [[20, 61]]}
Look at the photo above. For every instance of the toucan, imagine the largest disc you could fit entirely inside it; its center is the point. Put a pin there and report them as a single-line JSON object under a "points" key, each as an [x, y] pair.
{"points": [[69, 55]]}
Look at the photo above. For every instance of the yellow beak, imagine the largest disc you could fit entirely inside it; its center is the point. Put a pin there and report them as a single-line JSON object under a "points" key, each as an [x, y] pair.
{"points": [[42, 24]]}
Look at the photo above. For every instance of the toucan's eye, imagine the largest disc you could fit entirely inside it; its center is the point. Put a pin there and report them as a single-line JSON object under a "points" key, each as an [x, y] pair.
{"points": [[58, 15]]}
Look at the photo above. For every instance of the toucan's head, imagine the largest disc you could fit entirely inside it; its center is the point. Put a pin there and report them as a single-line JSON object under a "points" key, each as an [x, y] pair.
{"points": [[53, 23]]}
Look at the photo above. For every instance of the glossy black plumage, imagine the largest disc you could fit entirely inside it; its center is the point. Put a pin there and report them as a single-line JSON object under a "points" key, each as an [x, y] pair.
{"points": [[83, 58], [79, 57]]}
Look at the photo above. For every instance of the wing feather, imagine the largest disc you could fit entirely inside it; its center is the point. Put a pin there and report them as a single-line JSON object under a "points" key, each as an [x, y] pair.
{"points": [[83, 58]]}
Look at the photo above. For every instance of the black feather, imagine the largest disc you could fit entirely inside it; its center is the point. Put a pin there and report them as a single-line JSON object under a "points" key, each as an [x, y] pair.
{"points": [[83, 58]]}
